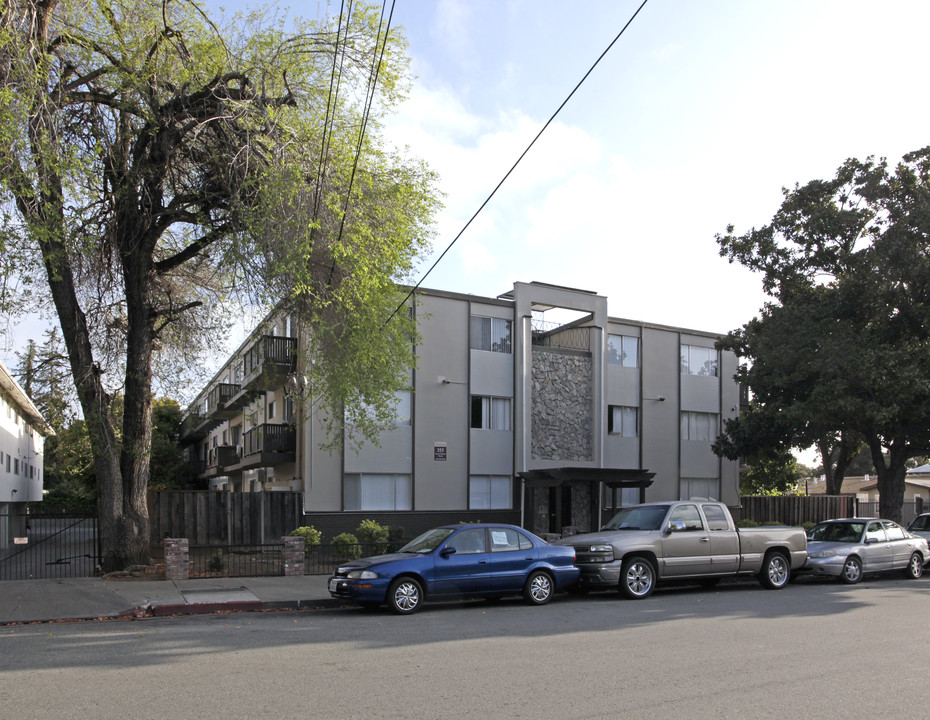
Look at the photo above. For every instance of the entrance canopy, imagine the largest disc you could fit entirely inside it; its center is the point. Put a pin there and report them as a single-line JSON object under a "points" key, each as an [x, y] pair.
{"points": [[611, 477]]}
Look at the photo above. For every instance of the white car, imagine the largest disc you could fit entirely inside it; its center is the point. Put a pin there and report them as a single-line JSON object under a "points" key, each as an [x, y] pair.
{"points": [[850, 547]]}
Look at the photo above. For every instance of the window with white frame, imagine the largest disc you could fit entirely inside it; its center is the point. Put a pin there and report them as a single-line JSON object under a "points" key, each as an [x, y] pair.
{"points": [[699, 489], [490, 492], [699, 426], [696, 360], [492, 334], [490, 413], [378, 491], [623, 350], [623, 420]]}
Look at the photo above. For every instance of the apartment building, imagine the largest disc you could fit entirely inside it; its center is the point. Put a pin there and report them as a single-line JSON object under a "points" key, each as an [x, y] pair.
{"points": [[536, 407], [22, 439]]}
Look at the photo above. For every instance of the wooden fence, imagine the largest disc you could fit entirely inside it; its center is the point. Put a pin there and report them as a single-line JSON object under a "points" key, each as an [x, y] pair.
{"points": [[796, 509], [224, 518]]}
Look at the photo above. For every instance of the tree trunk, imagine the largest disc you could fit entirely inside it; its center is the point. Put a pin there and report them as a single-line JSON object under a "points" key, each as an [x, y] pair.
{"points": [[891, 477]]}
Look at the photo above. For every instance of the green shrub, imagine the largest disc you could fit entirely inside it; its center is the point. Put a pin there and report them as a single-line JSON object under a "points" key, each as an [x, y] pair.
{"points": [[310, 534], [370, 532], [808, 526], [772, 523], [747, 523], [345, 547], [216, 563]]}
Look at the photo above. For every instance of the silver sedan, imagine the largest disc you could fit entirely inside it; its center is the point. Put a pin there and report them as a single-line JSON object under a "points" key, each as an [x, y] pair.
{"points": [[850, 547]]}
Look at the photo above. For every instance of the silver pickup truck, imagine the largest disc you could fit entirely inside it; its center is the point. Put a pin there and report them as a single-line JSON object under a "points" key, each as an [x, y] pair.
{"points": [[646, 544]]}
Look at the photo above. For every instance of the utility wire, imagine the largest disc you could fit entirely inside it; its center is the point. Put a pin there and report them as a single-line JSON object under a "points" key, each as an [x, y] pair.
{"points": [[514, 166]]}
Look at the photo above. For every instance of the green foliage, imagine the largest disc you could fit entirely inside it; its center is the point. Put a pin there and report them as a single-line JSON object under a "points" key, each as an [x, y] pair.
{"points": [[808, 526], [773, 473], [217, 561], [159, 168], [746, 523], [841, 358], [370, 532], [169, 468], [310, 534], [346, 547]]}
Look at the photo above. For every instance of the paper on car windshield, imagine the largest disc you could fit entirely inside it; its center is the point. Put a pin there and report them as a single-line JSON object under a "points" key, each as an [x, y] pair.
{"points": [[499, 537]]}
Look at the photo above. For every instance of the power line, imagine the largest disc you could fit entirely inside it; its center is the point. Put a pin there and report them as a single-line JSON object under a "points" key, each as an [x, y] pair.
{"points": [[514, 166]]}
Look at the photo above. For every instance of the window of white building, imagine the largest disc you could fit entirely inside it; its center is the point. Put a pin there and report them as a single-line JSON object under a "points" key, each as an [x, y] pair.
{"points": [[623, 350], [623, 421], [697, 360], [490, 413], [698, 426], [371, 491], [699, 489], [492, 334], [490, 492]]}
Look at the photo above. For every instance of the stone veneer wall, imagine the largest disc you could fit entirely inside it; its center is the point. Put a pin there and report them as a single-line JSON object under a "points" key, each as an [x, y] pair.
{"points": [[562, 409]]}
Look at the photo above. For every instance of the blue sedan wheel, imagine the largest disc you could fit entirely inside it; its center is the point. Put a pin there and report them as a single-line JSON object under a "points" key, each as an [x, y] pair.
{"points": [[538, 589], [405, 595]]}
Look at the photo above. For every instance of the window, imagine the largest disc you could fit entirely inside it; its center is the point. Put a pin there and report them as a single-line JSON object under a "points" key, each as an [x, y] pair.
{"points": [[699, 489], [716, 517], [893, 531], [378, 492], [697, 360], [490, 413], [875, 532], [623, 421], [507, 540], [623, 350], [626, 497], [698, 426], [491, 334], [271, 410], [469, 542], [402, 410], [688, 518], [489, 492]]}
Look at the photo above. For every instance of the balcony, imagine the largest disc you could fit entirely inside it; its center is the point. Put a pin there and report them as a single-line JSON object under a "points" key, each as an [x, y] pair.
{"points": [[221, 457], [265, 446], [265, 365], [193, 428], [563, 337], [219, 401]]}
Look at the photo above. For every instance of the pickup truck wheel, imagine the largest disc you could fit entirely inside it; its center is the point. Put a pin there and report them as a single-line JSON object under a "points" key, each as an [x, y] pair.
{"points": [[775, 571], [915, 566], [852, 571], [637, 578], [538, 588]]}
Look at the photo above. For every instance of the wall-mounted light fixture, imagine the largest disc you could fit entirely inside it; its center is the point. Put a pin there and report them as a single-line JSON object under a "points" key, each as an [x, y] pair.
{"points": [[661, 398], [443, 380]]}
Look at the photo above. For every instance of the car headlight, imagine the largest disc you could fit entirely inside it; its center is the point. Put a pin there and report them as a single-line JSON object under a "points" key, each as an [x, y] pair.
{"points": [[602, 548], [822, 554], [361, 575]]}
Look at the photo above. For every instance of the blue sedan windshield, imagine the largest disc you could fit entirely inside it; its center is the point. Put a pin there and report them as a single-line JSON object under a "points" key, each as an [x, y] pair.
{"points": [[428, 541]]}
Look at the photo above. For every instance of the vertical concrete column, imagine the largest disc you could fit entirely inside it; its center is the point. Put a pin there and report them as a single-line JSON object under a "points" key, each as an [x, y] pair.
{"points": [[177, 558], [293, 555]]}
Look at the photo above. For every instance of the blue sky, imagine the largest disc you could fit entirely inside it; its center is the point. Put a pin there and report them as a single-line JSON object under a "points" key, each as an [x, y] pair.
{"points": [[697, 118]]}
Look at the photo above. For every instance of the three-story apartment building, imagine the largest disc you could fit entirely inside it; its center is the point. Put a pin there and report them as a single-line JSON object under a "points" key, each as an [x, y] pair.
{"points": [[535, 407]]}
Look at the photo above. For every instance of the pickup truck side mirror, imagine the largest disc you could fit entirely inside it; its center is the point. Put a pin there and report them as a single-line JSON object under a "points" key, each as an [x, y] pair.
{"points": [[447, 551], [674, 526]]}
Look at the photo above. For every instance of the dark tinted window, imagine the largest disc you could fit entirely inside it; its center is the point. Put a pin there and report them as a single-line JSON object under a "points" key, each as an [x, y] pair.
{"points": [[716, 517]]}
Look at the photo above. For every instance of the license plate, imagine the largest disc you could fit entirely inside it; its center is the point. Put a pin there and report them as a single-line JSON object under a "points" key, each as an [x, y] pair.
{"points": [[332, 585]]}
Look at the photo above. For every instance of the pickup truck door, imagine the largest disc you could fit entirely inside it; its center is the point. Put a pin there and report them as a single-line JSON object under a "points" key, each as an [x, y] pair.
{"points": [[724, 539], [686, 543]]}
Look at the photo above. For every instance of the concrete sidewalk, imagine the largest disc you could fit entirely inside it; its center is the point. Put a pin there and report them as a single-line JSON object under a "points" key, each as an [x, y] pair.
{"points": [[27, 601]]}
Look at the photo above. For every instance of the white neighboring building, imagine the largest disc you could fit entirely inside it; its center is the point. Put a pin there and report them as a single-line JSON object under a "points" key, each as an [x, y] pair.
{"points": [[22, 440]]}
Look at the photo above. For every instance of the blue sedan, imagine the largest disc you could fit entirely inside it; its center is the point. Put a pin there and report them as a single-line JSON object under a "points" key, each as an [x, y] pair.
{"points": [[458, 561]]}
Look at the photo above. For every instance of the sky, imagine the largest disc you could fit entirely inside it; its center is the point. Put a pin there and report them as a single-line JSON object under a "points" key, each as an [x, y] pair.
{"points": [[696, 118]]}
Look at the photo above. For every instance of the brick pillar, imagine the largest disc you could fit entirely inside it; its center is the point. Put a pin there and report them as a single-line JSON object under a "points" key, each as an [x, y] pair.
{"points": [[177, 558], [293, 555]]}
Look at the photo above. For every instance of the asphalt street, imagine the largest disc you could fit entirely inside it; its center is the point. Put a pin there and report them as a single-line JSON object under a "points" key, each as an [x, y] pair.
{"points": [[814, 649]]}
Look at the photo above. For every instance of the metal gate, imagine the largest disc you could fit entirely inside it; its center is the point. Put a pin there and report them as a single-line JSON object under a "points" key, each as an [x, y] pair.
{"points": [[37, 546]]}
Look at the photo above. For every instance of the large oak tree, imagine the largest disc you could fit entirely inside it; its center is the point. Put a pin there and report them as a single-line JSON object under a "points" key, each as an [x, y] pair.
{"points": [[843, 353], [157, 164]]}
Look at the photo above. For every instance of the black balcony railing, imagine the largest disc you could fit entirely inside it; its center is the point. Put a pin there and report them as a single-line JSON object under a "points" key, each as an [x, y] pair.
{"points": [[222, 456], [280, 352], [220, 395], [269, 438]]}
